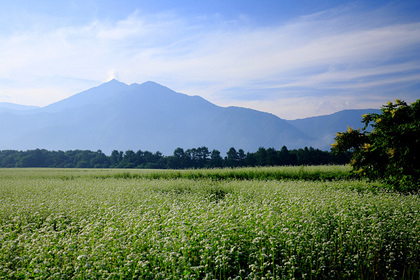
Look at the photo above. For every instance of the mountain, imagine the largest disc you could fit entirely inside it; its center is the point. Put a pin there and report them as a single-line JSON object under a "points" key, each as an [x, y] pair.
{"points": [[10, 107], [323, 128], [149, 116], [144, 116]]}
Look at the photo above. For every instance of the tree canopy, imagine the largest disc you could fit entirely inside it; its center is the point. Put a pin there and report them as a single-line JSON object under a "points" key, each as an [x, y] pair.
{"points": [[200, 157], [391, 150]]}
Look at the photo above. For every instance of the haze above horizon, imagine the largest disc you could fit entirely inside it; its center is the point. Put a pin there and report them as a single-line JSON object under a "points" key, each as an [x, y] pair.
{"points": [[294, 59]]}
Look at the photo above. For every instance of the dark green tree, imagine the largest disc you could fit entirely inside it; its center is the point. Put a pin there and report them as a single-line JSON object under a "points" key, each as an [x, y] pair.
{"points": [[179, 153], [33, 158], [232, 157], [271, 157], [99, 160], [116, 158], [215, 159], [391, 151], [192, 155], [203, 156], [178, 159], [129, 160], [261, 156], [241, 156], [284, 157], [140, 159]]}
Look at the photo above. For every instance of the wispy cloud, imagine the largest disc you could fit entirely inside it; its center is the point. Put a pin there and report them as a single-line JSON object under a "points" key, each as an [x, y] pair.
{"points": [[339, 53]]}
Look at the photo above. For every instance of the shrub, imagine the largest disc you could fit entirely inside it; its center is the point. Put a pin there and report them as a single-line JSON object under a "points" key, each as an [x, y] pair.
{"points": [[391, 151]]}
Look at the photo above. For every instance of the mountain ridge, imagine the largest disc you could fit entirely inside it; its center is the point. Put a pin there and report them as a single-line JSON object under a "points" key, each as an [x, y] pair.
{"points": [[152, 117]]}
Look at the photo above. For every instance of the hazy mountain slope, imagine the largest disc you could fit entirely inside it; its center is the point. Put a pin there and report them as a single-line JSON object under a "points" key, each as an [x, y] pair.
{"points": [[96, 95], [12, 106], [147, 117], [251, 128], [323, 128], [6, 107]]}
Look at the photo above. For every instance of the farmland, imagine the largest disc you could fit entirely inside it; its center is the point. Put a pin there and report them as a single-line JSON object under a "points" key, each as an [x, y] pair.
{"points": [[247, 223]]}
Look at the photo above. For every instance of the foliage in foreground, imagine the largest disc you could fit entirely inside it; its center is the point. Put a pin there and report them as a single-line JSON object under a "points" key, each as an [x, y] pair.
{"points": [[391, 152], [90, 227]]}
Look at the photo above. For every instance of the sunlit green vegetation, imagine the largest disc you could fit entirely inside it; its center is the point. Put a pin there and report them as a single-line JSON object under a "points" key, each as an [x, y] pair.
{"points": [[192, 224], [391, 151]]}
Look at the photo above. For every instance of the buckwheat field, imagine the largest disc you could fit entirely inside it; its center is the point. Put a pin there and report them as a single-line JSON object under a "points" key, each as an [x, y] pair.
{"points": [[136, 224]]}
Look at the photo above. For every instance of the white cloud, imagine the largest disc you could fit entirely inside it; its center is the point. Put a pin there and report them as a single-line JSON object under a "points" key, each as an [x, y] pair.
{"points": [[112, 74], [338, 49], [361, 77]]}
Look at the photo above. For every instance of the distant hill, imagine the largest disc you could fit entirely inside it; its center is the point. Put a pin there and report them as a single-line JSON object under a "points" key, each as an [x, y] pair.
{"points": [[11, 107], [323, 128], [152, 117]]}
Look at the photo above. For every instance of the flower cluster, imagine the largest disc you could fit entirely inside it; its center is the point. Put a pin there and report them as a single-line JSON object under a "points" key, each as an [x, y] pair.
{"points": [[109, 228]]}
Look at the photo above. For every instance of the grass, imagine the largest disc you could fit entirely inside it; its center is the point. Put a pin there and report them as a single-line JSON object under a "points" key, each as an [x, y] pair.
{"points": [[120, 224], [312, 173]]}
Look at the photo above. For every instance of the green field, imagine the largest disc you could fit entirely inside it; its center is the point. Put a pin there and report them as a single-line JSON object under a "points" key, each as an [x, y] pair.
{"points": [[248, 223]]}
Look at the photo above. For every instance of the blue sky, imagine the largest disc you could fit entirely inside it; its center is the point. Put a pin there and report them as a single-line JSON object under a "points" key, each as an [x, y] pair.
{"points": [[294, 59]]}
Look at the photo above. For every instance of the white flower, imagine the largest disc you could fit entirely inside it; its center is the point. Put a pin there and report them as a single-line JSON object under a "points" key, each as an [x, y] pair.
{"points": [[81, 257]]}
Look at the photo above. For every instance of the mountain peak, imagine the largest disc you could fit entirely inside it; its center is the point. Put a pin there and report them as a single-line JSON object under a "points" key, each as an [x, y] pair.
{"points": [[152, 87], [149, 84], [114, 82]]}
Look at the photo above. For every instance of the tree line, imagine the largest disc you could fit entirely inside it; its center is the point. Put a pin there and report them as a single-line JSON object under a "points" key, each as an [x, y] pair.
{"points": [[200, 157]]}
